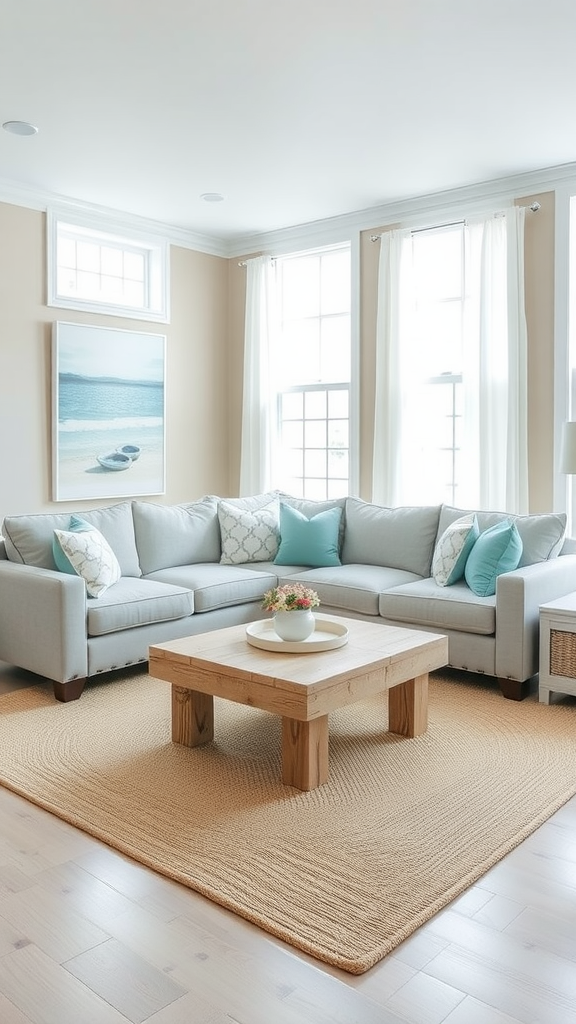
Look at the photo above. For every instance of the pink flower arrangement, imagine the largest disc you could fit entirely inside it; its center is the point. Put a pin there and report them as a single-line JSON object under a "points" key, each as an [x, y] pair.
{"points": [[292, 597]]}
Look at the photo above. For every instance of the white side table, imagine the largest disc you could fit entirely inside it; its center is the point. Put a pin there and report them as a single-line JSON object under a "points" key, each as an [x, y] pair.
{"points": [[557, 647]]}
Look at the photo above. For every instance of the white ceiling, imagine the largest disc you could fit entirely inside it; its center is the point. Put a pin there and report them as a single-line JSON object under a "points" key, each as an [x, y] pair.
{"points": [[294, 110]]}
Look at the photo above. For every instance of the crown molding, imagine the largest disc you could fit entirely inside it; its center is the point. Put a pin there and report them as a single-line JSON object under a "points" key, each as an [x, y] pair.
{"points": [[404, 211], [37, 199], [313, 233]]}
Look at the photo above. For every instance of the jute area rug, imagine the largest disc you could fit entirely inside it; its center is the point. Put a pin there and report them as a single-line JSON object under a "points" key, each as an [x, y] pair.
{"points": [[345, 872]]}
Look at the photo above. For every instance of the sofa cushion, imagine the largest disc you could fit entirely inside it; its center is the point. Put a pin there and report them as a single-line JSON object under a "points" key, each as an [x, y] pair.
{"points": [[401, 538], [452, 550], [424, 603], [497, 550], [91, 557], [169, 535], [137, 602], [305, 541], [542, 535], [252, 502], [29, 538], [248, 535], [354, 588], [218, 586]]}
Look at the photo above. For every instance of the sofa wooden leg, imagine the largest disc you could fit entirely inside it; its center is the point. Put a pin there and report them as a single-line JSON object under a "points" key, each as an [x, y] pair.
{"points": [[70, 690], [513, 689]]}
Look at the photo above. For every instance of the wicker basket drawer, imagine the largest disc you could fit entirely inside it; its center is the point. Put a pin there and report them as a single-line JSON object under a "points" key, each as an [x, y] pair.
{"points": [[562, 653]]}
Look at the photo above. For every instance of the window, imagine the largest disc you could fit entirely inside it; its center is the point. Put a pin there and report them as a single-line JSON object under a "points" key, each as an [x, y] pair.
{"points": [[93, 269], [451, 399], [438, 260], [314, 373]]}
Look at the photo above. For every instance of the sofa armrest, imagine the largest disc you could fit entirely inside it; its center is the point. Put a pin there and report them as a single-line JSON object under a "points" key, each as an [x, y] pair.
{"points": [[43, 621], [519, 595]]}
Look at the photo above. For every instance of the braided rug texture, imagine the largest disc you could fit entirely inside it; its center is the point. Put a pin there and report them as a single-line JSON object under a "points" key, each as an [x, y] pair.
{"points": [[345, 872]]}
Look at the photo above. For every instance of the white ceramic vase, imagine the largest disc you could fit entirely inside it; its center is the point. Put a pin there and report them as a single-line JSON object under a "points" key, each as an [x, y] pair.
{"points": [[295, 625]]}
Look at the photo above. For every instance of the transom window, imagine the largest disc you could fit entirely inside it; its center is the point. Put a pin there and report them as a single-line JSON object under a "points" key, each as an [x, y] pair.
{"points": [[97, 270], [314, 372]]}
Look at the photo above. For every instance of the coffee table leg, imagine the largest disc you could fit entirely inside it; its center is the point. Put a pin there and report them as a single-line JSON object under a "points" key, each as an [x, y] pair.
{"points": [[408, 707], [305, 752], [192, 716]]}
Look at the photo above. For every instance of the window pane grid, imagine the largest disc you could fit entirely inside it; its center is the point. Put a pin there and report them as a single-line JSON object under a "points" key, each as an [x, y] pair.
{"points": [[107, 273], [90, 268], [314, 372], [444, 425], [314, 444]]}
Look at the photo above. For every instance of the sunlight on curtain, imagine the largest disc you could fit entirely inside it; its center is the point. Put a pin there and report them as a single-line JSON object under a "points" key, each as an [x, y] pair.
{"points": [[491, 453], [390, 416], [258, 421], [495, 470]]}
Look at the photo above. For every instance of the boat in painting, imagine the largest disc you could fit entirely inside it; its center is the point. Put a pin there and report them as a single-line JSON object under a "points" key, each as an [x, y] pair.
{"points": [[132, 450], [115, 461]]}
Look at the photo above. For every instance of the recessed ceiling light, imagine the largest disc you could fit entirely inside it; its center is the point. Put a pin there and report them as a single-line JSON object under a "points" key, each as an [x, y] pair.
{"points": [[19, 127], [212, 197]]}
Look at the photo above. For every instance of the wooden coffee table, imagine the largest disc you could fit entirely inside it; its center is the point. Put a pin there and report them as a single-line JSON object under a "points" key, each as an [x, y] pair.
{"points": [[301, 688]]}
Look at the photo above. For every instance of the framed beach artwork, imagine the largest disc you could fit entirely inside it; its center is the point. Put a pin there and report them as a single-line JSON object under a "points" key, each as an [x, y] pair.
{"points": [[108, 412]]}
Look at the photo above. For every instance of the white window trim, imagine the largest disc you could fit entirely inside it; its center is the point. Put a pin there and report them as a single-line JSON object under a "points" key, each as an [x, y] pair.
{"points": [[157, 246]]}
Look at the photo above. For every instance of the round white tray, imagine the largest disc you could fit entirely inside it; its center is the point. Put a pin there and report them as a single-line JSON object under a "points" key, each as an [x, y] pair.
{"points": [[327, 635]]}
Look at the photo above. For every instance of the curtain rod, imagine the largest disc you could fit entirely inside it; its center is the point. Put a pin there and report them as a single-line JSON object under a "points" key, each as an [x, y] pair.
{"points": [[534, 207], [244, 263]]}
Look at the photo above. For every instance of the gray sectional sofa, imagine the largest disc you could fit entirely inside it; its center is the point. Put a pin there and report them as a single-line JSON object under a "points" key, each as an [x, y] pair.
{"points": [[190, 568]]}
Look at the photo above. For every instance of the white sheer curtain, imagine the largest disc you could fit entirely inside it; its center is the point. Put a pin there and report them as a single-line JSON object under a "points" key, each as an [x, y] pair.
{"points": [[494, 463], [495, 365], [258, 419], [390, 417]]}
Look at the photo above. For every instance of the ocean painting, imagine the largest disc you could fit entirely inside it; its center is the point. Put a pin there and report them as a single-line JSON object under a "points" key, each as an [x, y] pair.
{"points": [[108, 416]]}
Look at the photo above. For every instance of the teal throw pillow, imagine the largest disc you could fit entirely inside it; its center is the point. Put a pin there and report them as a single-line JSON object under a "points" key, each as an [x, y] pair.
{"points": [[63, 563], [312, 542], [497, 550]]}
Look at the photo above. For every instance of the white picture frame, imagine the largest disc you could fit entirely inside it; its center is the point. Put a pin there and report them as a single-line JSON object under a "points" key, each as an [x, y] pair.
{"points": [[108, 412]]}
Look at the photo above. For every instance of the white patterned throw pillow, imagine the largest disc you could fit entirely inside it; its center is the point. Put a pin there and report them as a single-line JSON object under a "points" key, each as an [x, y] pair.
{"points": [[249, 535], [452, 550], [92, 558]]}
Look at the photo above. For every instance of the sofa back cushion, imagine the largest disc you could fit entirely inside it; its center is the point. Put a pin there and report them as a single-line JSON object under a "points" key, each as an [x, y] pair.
{"points": [[29, 539], [168, 535], [253, 501], [542, 535], [400, 538]]}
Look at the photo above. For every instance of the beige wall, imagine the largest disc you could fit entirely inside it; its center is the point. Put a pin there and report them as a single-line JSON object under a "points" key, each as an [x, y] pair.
{"points": [[539, 285], [539, 279], [197, 425], [236, 317]]}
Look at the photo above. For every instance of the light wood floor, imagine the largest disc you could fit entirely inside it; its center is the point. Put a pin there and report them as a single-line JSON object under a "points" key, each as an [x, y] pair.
{"points": [[89, 937]]}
